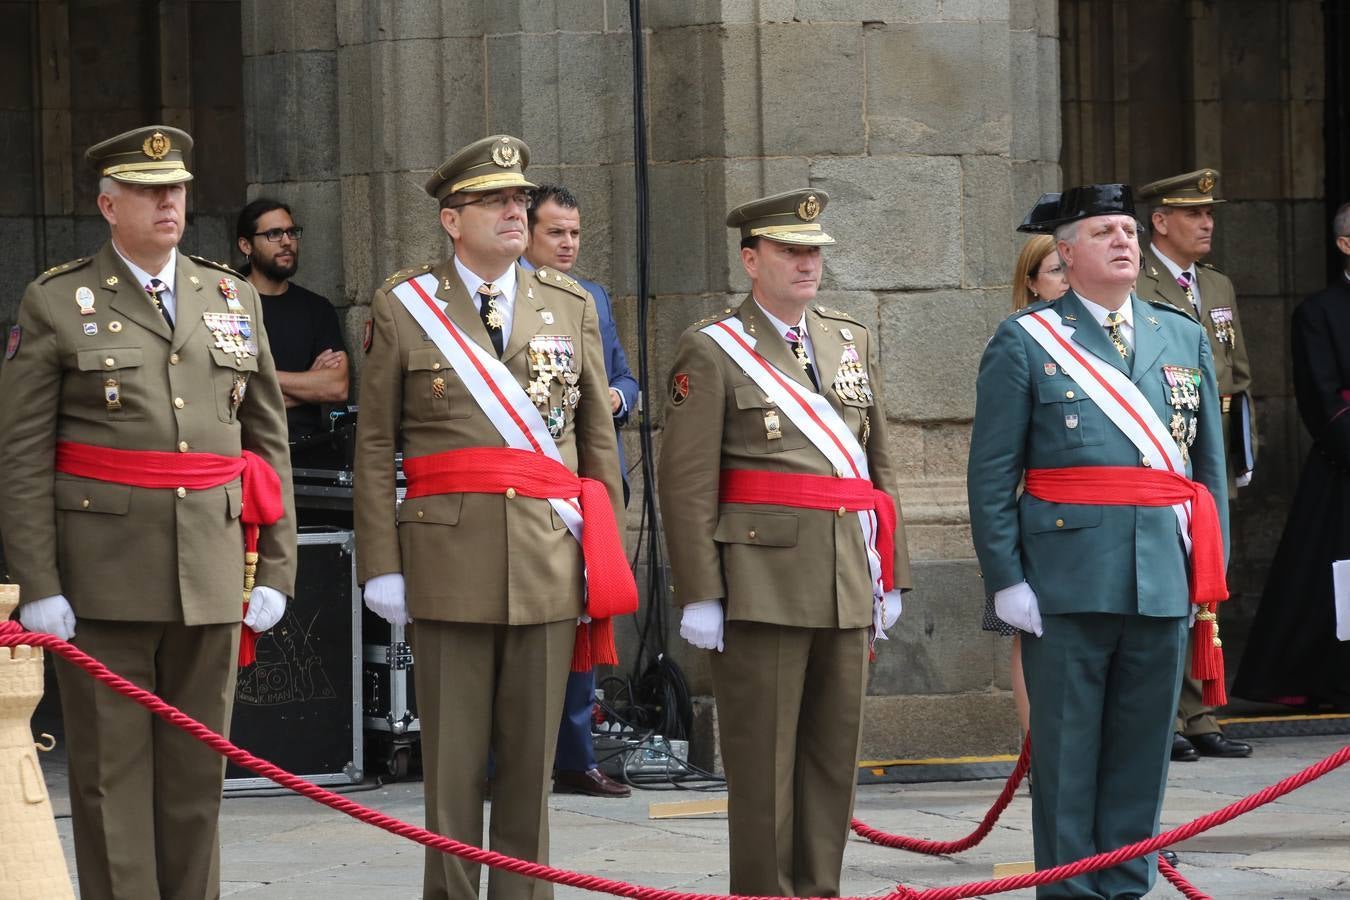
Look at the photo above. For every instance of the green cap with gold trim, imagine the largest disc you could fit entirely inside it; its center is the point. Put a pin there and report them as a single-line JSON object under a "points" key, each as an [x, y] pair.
{"points": [[491, 164], [1197, 188], [788, 218], [155, 154]]}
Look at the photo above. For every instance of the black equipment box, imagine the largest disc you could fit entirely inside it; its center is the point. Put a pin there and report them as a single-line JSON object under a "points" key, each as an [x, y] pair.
{"points": [[298, 705], [388, 696]]}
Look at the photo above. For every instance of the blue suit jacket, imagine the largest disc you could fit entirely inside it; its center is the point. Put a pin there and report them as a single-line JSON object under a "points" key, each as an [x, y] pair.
{"points": [[1030, 415]]}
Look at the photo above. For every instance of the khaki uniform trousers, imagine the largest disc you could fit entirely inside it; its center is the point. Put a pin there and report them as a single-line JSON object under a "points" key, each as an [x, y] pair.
{"points": [[481, 687], [789, 704], [144, 796]]}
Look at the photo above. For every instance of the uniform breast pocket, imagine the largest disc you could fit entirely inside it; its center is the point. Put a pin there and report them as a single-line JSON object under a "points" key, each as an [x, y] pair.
{"points": [[428, 385], [230, 376], [1071, 419], [112, 377], [765, 427]]}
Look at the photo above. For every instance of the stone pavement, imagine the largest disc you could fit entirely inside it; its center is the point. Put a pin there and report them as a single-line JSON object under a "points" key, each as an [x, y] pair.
{"points": [[289, 848]]}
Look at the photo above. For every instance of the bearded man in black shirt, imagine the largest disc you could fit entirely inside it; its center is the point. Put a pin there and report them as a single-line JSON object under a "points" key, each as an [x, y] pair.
{"points": [[302, 326]]}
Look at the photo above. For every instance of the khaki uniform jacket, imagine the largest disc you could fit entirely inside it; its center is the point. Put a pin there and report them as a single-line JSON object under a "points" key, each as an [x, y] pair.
{"points": [[119, 552], [480, 558], [775, 564], [1231, 364]]}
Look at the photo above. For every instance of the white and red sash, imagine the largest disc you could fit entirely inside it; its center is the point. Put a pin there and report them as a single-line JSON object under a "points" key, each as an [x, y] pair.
{"points": [[1117, 396], [490, 383], [822, 426]]}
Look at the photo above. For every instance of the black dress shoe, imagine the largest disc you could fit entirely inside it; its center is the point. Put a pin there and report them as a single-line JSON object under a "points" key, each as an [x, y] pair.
{"points": [[1170, 856], [592, 782], [1182, 749], [1215, 744]]}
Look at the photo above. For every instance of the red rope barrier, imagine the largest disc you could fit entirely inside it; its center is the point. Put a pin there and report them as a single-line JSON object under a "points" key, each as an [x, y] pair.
{"points": [[940, 848], [12, 634], [1188, 890]]}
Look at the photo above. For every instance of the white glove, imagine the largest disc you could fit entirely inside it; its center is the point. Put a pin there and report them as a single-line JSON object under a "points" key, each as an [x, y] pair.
{"points": [[1243, 480], [50, 615], [885, 613], [1018, 607], [265, 607], [384, 597], [701, 624]]}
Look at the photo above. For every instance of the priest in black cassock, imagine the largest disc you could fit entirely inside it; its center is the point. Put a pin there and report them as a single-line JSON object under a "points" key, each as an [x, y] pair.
{"points": [[1293, 656]]}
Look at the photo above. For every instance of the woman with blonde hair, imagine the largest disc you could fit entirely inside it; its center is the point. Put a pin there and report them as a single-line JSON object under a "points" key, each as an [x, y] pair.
{"points": [[1038, 275]]}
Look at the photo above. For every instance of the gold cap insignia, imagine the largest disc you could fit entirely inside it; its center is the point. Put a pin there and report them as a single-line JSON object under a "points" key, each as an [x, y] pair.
{"points": [[504, 153], [809, 208], [1206, 182], [157, 145]]}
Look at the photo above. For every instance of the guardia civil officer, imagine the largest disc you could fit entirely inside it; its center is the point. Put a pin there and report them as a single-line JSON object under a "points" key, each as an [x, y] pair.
{"points": [[786, 548], [144, 444], [1182, 227], [491, 379], [1106, 406]]}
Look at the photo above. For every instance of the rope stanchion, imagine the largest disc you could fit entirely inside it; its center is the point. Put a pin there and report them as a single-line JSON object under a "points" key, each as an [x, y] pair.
{"points": [[941, 848], [12, 634]]}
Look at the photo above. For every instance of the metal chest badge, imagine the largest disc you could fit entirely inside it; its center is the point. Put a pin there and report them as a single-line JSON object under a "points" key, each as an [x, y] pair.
{"points": [[554, 385], [84, 298], [230, 291], [850, 380]]}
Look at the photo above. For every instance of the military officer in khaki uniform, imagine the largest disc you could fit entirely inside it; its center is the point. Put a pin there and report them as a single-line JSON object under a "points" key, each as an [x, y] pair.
{"points": [[490, 576], [142, 357], [770, 553], [1182, 224]]}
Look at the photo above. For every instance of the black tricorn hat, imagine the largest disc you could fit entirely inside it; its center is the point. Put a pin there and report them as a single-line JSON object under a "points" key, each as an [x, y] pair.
{"points": [[1054, 210]]}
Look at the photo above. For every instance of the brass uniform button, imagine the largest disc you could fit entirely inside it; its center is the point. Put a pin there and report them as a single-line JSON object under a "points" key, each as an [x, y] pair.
{"points": [[420, 514], [178, 403], [173, 359], [1068, 394], [181, 492], [510, 493], [1146, 463], [751, 534], [84, 504], [1059, 523], [840, 512], [182, 446], [110, 362], [435, 367]]}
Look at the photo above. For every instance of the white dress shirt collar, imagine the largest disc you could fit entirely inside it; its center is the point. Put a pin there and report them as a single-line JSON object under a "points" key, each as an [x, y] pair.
{"points": [[165, 275], [506, 300]]}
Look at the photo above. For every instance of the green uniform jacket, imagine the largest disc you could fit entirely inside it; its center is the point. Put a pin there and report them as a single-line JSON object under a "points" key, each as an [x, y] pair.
{"points": [[1030, 415], [1232, 368], [776, 564], [115, 551], [476, 557]]}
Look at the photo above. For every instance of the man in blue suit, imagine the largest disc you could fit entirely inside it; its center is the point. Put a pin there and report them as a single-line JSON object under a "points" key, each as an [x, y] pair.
{"points": [[1107, 407], [554, 241]]}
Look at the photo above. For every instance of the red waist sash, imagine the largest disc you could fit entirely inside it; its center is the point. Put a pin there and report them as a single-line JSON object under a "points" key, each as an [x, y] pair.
{"points": [[1129, 486], [818, 492], [262, 501], [610, 588]]}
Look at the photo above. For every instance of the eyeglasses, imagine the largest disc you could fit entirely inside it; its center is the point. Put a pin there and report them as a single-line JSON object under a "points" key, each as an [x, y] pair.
{"points": [[497, 201], [274, 234], [1056, 269]]}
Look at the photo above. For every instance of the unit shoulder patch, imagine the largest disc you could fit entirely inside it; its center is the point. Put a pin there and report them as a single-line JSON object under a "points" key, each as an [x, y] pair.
{"points": [[211, 263], [557, 279], [64, 267], [403, 275]]}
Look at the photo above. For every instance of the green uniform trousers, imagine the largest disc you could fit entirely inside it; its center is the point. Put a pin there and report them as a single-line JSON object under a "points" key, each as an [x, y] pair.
{"points": [[144, 796], [482, 686], [1103, 691], [789, 708]]}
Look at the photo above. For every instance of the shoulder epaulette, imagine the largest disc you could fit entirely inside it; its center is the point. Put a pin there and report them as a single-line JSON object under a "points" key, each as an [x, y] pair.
{"points": [[215, 265], [831, 313], [715, 317], [64, 267], [1212, 267], [1031, 308], [1160, 303], [404, 274], [558, 279]]}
